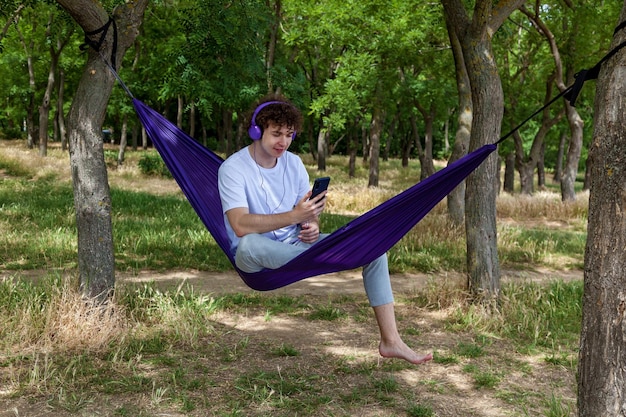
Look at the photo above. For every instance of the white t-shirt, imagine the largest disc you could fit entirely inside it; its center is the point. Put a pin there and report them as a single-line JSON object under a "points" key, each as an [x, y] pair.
{"points": [[243, 183]]}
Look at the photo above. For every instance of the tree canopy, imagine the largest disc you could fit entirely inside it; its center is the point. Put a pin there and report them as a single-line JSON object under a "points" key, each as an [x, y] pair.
{"points": [[339, 61]]}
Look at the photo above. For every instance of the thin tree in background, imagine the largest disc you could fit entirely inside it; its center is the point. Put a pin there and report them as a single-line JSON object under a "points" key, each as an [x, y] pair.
{"points": [[475, 33]]}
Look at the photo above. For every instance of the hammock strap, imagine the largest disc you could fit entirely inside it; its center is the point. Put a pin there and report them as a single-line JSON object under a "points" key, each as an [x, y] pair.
{"points": [[96, 45]]}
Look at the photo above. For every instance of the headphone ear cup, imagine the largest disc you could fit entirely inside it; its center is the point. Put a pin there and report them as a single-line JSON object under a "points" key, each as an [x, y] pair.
{"points": [[255, 132], [293, 136]]}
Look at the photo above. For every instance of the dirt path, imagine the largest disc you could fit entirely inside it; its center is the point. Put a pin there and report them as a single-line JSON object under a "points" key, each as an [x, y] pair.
{"points": [[347, 282]]}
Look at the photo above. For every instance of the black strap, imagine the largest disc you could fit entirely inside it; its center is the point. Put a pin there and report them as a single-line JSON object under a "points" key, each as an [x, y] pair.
{"points": [[592, 74], [97, 44]]}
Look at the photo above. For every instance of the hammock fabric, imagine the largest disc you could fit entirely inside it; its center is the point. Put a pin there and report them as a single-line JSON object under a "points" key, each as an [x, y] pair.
{"points": [[355, 244]]}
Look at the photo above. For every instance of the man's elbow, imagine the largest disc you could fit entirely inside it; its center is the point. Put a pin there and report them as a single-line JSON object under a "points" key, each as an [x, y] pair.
{"points": [[240, 231]]}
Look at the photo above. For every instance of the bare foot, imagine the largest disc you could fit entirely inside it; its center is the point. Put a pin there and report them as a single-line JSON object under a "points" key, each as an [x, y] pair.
{"points": [[402, 351]]}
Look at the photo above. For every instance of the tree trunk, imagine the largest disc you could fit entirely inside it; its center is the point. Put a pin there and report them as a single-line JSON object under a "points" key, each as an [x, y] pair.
{"points": [[192, 121], [587, 182], [575, 122], [406, 146], [480, 197], [602, 357], [375, 131], [570, 170], [526, 164], [44, 109], [509, 173], [227, 121], [365, 144], [475, 34], [180, 108], [31, 130], [558, 168], [456, 199], [144, 138], [322, 137], [123, 141], [352, 149], [271, 45], [92, 198], [541, 168], [60, 115], [428, 168], [421, 155]]}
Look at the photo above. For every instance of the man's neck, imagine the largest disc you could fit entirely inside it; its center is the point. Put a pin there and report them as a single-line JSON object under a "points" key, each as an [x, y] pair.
{"points": [[261, 159]]}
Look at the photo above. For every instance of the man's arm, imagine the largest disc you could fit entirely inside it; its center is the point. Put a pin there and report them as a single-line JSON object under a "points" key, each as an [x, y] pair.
{"points": [[243, 222]]}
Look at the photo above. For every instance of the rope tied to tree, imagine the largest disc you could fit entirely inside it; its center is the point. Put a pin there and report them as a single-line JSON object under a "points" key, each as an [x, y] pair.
{"points": [[96, 45]]}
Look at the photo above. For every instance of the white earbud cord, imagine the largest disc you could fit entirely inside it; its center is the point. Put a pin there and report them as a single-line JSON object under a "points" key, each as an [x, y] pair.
{"points": [[263, 188]]}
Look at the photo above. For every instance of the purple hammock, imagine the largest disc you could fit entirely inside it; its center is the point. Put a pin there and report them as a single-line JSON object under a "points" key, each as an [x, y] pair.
{"points": [[355, 244]]}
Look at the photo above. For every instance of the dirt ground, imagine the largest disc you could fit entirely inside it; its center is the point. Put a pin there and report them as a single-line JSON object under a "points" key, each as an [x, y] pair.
{"points": [[346, 282]]}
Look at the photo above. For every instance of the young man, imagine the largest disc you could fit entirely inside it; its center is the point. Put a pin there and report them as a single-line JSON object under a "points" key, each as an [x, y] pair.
{"points": [[270, 220]]}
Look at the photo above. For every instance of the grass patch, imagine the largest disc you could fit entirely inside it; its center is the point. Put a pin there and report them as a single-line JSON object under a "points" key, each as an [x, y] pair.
{"points": [[531, 314]]}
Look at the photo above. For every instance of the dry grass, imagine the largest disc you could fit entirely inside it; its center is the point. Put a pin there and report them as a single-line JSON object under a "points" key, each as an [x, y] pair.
{"points": [[544, 206], [57, 318]]}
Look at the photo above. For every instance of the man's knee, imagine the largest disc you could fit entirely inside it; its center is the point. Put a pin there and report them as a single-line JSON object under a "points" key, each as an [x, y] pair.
{"points": [[248, 243]]}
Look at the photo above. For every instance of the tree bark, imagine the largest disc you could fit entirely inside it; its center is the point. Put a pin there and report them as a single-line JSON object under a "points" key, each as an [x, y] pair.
{"points": [[121, 155], [375, 147], [475, 35], [420, 149], [353, 144], [60, 116], [427, 165], [456, 199], [526, 164], [575, 122], [509, 173], [92, 197], [322, 138], [602, 357], [558, 168], [44, 109], [31, 128]]}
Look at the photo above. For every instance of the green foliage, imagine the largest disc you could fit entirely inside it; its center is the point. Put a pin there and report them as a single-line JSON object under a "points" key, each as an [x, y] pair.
{"points": [[151, 163]]}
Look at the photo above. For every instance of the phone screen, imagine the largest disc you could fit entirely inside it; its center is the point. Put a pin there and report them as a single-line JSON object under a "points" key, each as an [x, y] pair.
{"points": [[319, 185]]}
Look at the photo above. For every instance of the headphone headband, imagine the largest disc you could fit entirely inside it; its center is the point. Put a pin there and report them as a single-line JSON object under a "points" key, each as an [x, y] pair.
{"points": [[254, 131]]}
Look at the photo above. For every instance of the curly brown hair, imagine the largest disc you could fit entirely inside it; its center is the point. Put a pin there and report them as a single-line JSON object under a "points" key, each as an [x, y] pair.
{"points": [[281, 114]]}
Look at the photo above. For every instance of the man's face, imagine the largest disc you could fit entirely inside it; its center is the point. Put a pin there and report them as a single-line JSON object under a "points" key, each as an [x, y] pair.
{"points": [[276, 139]]}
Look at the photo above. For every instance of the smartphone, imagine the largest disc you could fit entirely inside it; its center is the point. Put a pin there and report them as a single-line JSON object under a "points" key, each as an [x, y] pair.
{"points": [[319, 185]]}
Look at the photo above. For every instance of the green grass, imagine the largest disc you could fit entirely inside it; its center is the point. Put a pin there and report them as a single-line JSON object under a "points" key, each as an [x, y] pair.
{"points": [[532, 315]]}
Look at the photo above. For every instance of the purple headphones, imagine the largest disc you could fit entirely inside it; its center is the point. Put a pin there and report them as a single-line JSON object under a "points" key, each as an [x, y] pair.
{"points": [[254, 131]]}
